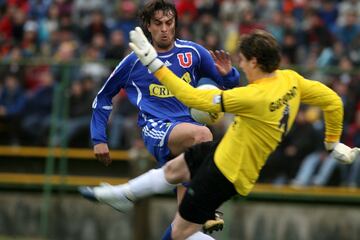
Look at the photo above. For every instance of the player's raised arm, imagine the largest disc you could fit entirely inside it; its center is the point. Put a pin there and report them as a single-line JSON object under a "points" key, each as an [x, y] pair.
{"points": [[222, 61]]}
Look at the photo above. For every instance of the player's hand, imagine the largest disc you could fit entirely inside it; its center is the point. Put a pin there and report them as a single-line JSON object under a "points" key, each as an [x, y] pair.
{"points": [[102, 153], [344, 154], [144, 50], [222, 61]]}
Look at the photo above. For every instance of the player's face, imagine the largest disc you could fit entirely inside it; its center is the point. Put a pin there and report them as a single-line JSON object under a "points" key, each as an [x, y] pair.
{"points": [[244, 64], [162, 29]]}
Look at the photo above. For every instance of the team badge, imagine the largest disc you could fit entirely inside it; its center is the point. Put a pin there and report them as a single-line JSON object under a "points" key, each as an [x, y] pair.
{"points": [[185, 59]]}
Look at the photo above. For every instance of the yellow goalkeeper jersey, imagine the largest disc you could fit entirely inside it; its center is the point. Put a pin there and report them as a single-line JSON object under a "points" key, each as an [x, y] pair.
{"points": [[264, 111]]}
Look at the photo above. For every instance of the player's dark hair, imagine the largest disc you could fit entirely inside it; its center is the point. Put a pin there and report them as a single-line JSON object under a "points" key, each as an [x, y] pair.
{"points": [[262, 46], [148, 12]]}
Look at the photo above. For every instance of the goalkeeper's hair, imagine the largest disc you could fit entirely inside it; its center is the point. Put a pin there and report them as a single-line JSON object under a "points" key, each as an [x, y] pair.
{"points": [[263, 46], [148, 12]]}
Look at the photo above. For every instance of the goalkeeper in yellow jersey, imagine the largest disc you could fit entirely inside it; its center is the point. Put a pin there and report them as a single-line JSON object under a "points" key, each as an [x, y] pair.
{"points": [[264, 112]]}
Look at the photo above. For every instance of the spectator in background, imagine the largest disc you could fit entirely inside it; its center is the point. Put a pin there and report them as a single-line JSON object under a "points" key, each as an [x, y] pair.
{"points": [[126, 19], [248, 22], [329, 12], [206, 26], [12, 103], [6, 26], [210, 6], [341, 87], [18, 26], [316, 32], [68, 29], [233, 9], [310, 164], [65, 6], [289, 48], [331, 55], [82, 93], [12, 64], [317, 169], [92, 67], [49, 24], [354, 89], [117, 47], [230, 35], [39, 9], [37, 115], [264, 9], [330, 172], [353, 140], [275, 26], [348, 77], [82, 9], [30, 43], [64, 61], [186, 27], [301, 140], [96, 26], [344, 7], [212, 41], [99, 42], [350, 31], [187, 7]]}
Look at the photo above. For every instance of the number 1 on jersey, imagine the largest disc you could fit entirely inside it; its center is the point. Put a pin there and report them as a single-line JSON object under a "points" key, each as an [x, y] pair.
{"points": [[283, 124]]}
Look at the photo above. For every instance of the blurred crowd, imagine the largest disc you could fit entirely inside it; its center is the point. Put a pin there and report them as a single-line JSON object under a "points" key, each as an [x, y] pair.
{"points": [[59, 52]]}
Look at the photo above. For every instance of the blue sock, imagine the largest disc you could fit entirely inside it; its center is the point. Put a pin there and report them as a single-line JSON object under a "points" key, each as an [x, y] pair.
{"points": [[167, 234]]}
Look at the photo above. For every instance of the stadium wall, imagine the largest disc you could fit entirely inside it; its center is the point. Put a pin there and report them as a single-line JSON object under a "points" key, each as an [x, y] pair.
{"points": [[71, 217]]}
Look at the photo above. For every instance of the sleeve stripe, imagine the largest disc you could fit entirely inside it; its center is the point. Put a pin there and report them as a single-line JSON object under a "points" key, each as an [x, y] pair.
{"points": [[222, 102]]}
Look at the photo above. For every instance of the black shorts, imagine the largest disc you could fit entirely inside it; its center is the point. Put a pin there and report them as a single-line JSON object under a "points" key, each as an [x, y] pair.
{"points": [[208, 187]]}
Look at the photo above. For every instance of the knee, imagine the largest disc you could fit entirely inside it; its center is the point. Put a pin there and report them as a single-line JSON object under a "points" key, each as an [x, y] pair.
{"points": [[185, 233], [203, 134], [177, 233], [170, 172], [176, 173], [198, 135]]}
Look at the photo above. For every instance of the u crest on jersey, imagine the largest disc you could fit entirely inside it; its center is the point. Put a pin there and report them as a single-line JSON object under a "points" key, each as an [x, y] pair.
{"points": [[185, 59]]}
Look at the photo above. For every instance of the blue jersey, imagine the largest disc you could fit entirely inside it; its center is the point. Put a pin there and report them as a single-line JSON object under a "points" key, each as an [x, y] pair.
{"points": [[186, 59]]}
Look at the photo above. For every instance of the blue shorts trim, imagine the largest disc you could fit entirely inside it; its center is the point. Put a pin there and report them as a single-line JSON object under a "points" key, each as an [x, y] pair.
{"points": [[156, 136]]}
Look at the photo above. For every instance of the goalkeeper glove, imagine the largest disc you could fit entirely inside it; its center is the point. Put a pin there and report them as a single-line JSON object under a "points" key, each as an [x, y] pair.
{"points": [[342, 153], [144, 50]]}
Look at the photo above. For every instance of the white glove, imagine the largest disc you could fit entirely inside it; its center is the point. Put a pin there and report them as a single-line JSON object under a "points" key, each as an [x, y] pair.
{"points": [[345, 154], [144, 50]]}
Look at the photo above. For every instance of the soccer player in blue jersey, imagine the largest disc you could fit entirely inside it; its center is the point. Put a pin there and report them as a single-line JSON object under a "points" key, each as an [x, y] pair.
{"points": [[167, 127]]}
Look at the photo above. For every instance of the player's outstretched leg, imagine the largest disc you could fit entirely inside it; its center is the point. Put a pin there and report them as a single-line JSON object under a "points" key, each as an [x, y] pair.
{"points": [[121, 197], [216, 224], [115, 197]]}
